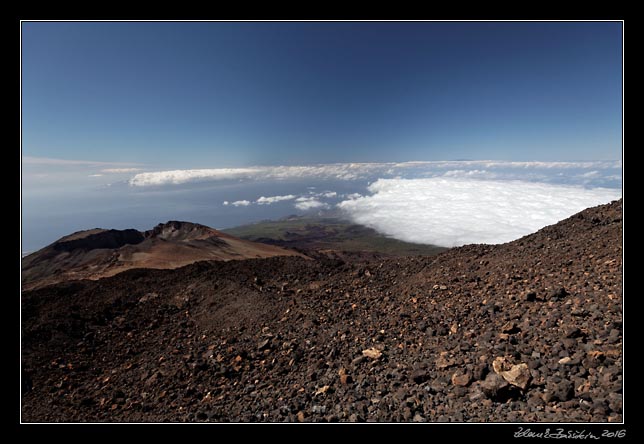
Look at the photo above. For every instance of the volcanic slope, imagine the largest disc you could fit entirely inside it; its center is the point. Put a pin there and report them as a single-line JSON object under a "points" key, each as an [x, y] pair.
{"points": [[305, 233], [98, 253], [530, 330]]}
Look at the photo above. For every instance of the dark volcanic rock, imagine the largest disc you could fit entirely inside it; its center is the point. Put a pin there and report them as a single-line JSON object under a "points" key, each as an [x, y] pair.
{"points": [[494, 387], [560, 293], [530, 296], [562, 391], [282, 339], [420, 376]]}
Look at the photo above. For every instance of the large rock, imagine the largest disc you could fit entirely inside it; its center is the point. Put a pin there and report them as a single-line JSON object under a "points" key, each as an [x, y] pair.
{"points": [[493, 385], [517, 375]]}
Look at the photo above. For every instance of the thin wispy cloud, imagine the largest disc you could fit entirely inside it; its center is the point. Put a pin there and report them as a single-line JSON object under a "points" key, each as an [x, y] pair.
{"points": [[273, 199], [310, 203], [120, 170], [31, 160], [451, 211], [303, 202]]}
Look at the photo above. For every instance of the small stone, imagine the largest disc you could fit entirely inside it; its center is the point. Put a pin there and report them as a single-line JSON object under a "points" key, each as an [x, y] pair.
{"points": [[372, 353], [355, 418], [563, 391], [264, 344], [500, 364], [510, 328], [560, 293], [419, 376], [573, 332], [444, 361], [534, 400], [418, 418], [596, 355], [357, 361], [530, 296], [300, 416], [319, 409], [461, 379], [564, 361], [344, 377], [476, 394], [480, 371], [322, 390], [147, 297]]}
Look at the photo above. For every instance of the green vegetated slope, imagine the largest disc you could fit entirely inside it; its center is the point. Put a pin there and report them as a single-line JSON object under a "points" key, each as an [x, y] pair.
{"points": [[327, 233]]}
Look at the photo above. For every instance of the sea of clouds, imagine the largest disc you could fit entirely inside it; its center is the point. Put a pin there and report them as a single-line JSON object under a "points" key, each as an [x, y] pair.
{"points": [[451, 211], [446, 203]]}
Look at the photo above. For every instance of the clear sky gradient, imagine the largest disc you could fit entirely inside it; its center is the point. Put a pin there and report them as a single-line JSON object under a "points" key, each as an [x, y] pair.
{"points": [[208, 95]]}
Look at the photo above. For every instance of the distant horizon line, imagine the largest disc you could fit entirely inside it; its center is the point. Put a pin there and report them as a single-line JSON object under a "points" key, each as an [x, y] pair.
{"points": [[42, 160]]}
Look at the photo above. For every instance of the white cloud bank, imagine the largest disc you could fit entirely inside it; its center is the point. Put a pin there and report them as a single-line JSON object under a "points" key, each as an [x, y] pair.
{"points": [[120, 170], [344, 171], [351, 171], [451, 212]]}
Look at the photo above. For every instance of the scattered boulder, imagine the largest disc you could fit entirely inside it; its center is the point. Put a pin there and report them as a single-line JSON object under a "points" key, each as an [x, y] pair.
{"points": [[493, 385], [372, 353], [517, 375], [461, 379]]}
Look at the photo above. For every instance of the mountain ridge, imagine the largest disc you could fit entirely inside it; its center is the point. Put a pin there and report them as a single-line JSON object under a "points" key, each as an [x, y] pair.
{"points": [[99, 252]]}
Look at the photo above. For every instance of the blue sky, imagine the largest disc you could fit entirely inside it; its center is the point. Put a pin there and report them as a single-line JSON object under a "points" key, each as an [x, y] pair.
{"points": [[234, 94], [126, 125]]}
